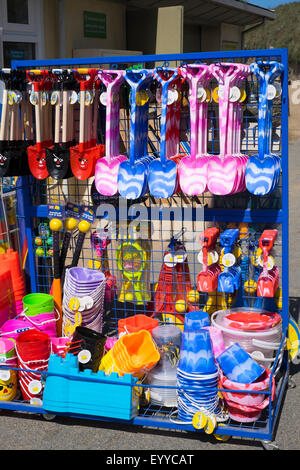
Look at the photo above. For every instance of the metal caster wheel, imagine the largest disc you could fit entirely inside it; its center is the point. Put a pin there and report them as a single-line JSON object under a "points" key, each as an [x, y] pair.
{"points": [[270, 445], [48, 417], [291, 383], [222, 438]]}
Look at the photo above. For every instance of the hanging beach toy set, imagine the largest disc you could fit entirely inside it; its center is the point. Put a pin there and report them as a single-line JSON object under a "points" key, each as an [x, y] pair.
{"points": [[155, 239]]}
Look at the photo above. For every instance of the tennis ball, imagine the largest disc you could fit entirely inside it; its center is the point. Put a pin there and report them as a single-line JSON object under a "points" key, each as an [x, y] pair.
{"points": [[180, 306], [38, 241], [193, 296], [84, 226], [55, 225], [129, 297], [40, 252], [70, 223]]}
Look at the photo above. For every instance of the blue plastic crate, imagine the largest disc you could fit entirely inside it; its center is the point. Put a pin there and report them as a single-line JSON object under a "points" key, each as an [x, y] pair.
{"points": [[70, 391]]}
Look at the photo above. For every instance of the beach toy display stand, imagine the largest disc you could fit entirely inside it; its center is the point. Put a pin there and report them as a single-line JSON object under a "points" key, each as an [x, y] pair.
{"points": [[112, 394]]}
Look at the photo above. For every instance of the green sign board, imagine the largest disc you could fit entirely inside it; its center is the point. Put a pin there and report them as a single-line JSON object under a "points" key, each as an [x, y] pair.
{"points": [[94, 24]]}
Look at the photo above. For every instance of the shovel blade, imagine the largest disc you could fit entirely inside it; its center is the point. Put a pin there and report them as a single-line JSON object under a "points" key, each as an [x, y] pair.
{"points": [[106, 175], [162, 178], [193, 175], [37, 162], [83, 162], [132, 179], [261, 174], [58, 162]]}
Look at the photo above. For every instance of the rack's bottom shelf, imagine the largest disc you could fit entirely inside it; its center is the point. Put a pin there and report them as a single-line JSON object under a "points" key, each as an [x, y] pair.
{"points": [[165, 418]]}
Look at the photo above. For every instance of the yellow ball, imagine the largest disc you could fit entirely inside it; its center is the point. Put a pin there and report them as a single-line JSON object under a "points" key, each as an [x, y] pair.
{"points": [[129, 297], [180, 306], [193, 296], [70, 223], [84, 226], [55, 225]]}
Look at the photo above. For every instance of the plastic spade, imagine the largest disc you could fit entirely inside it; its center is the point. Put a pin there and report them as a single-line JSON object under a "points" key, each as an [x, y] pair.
{"points": [[162, 176], [107, 168], [133, 173], [83, 157], [37, 153], [192, 169], [58, 156], [263, 169], [13, 147], [222, 168], [234, 128]]}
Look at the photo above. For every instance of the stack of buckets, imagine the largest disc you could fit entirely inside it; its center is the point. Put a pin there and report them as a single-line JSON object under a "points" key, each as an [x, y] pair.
{"points": [[8, 377], [240, 377], [33, 350], [12, 285], [134, 351]]}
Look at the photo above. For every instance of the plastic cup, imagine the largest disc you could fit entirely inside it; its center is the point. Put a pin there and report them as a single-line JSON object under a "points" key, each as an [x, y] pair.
{"points": [[238, 365], [196, 319], [196, 353]]}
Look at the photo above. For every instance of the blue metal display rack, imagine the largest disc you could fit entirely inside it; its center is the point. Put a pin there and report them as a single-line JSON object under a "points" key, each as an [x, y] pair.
{"points": [[270, 211]]}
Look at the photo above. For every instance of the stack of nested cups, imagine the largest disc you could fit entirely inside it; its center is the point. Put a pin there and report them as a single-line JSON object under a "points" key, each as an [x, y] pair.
{"points": [[8, 372], [11, 261], [240, 372], [87, 287], [88, 345], [197, 372], [33, 350]]}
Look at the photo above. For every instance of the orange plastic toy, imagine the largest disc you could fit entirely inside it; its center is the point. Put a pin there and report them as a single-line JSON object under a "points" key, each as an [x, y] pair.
{"points": [[134, 353], [136, 323]]}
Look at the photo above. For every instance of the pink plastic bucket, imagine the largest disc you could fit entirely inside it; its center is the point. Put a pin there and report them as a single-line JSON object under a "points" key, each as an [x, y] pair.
{"points": [[246, 407], [217, 340], [60, 345]]}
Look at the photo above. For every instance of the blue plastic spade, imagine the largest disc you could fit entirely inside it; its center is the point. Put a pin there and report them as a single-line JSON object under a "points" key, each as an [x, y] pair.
{"points": [[162, 178], [133, 173], [263, 169]]}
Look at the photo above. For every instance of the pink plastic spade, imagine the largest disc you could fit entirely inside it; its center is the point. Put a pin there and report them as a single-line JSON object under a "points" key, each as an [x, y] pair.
{"points": [[193, 168], [107, 168]]}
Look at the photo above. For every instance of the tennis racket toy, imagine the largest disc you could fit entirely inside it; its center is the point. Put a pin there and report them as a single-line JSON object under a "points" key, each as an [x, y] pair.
{"points": [[55, 215]]}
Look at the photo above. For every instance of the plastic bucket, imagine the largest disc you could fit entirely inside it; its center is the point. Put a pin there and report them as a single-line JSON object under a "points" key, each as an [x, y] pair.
{"points": [[38, 303], [238, 365], [59, 345], [262, 344], [90, 347], [33, 349], [250, 398], [136, 323], [133, 353]]}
